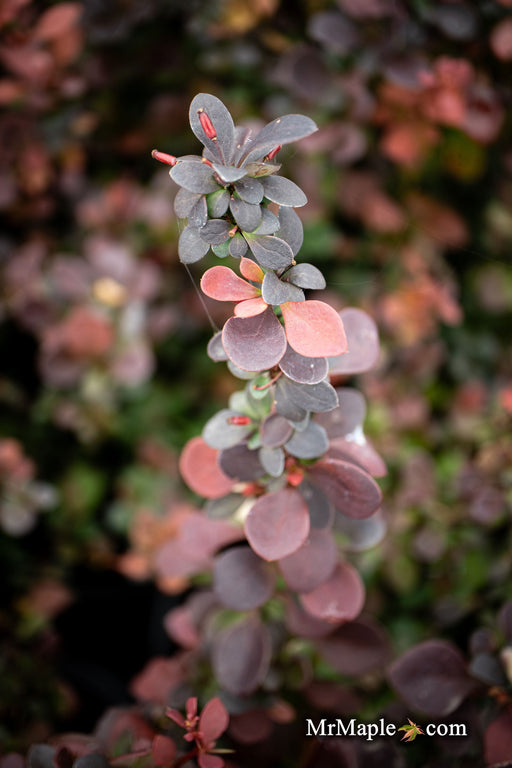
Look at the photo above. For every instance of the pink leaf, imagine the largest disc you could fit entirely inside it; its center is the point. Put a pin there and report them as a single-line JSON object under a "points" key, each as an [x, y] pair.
{"points": [[339, 599], [223, 284], [277, 524], [210, 761], [363, 343], [163, 750], [312, 564], [251, 270], [214, 720], [250, 307], [199, 469], [314, 329]]}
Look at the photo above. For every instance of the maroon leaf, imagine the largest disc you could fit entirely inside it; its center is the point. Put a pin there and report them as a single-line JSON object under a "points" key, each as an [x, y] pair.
{"points": [[241, 656], [301, 623], [498, 740], [432, 677], [311, 564], [360, 452], [338, 599], [254, 343], [241, 463], [275, 430], [363, 343], [356, 648], [352, 490], [241, 580], [201, 472], [347, 417], [277, 524]]}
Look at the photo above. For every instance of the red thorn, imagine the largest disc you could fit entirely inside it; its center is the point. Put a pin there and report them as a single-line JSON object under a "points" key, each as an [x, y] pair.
{"points": [[207, 124], [163, 157], [274, 152], [239, 421]]}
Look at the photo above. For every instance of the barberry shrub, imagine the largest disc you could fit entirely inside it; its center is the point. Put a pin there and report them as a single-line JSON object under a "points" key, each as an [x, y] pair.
{"points": [[286, 469]]}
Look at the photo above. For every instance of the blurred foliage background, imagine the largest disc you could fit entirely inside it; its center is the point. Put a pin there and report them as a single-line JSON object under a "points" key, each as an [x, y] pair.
{"points": [[104, 375]]}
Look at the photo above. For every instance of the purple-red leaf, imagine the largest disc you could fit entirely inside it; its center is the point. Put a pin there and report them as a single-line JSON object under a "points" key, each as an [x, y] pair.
{"points": [[201, 472], [242, 580], [214, 720], [356, 648], [241, 656], [277, 524], [311, 564], [254, 343], [352, 490], [432, 677], [363, 343], [314, 329], [338, 599]]}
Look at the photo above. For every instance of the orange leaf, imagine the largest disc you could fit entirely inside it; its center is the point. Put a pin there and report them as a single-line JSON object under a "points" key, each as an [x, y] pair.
{"points": [[314, 329], [251, 270], [223, 284], [250, 307]]}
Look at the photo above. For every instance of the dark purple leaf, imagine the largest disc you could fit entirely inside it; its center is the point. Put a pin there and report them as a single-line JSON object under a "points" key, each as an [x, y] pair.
{"points": [[486, 668], [363, 344], [241, 580], [285, 406], [229, 173], [356, 648], [290, 230], [301, 623], [305, 276], [277, 524], [237, 246], [280, 190], [222, 123], [220, 509], [270, 251], [269, 223], [191, 247], [281, 131], [219, 433], [218, 203], [347, 417], [215, 232], [194, 176], [310, 443], [275, 291], [275, 430], [352, 490], [40, 756], [312, 397], [250, 190], [184, 202], [311, 564], [254, 343], [241, 463], [498, 741], [198, 216], [272, 460], [432, 677], [360, 535], [321, 511], [241, 656], [215, 349], [505, 621], [335, 31], [338, 599], [304, 370], [359, 452], [246, 215]]}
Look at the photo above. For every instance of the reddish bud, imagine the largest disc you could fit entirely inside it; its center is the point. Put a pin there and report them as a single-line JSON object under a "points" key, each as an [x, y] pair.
{"points": [[207, 162], [232, 231], [163, 157], [295, 478], [207, 124], [239, 421], [274, 152]]}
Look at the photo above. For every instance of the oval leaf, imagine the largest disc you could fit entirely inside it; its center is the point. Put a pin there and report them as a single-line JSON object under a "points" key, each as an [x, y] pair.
{"points": [[321, 511], [215, 349], [229, 173], [314, 329], [277, 524], [291, 231], [221, 121], [312, 564], [241, 463], [308, 444], [275, 430], [280, 190], [272, 460], [251, 271], [201, 472], [356, 648], [312, 397], [305, 276], [219, 433], [276, 291], [246, 215], [352, 490], [338, 599], [237, 246], [304, 370], [250, 307], [363, 343], [254, 343], [184, 202], [215, 232], [347, 417], [191, 247], [282, 130], [241, 656], [242, 580], [194, 176], [218, 203], [432, 677], [270, 251], [250, 190], [223, 284]]}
